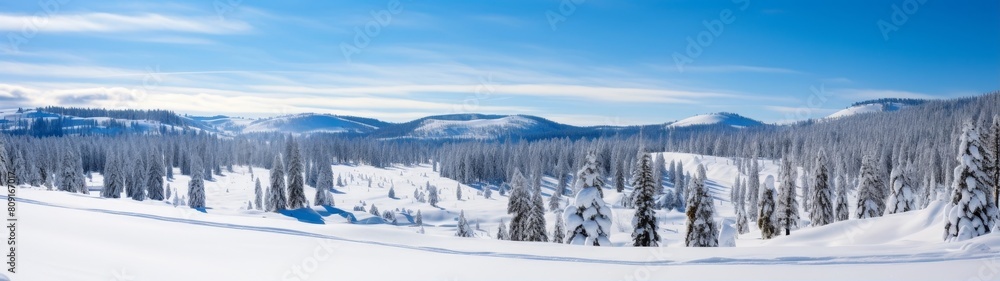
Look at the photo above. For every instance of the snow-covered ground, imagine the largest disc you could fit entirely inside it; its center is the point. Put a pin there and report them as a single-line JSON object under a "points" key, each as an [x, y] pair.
{"points": [[66, 236]]}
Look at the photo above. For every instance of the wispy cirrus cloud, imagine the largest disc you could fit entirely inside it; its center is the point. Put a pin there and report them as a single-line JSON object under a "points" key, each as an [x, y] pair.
{"points": [[739, 68], [109, 23]]}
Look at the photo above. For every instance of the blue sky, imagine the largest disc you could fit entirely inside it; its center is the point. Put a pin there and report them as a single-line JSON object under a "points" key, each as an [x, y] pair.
{"points": [[580, 62]]}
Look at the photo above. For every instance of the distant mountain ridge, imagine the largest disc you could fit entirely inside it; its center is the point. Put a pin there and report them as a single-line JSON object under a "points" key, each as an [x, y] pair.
{"points": [[877, 105]]}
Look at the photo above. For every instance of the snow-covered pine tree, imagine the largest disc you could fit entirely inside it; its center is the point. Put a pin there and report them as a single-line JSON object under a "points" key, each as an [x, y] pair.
{"points": [[71, 174], [620, 178], [392, 192], [487, 192], [140, 176], [114, 182], [870, 203], [843, 211], [502, 233], [258, 196], [276, 200], [588, 219], [993, 151], [296, 180], [788, 205], [645, 232], [742, 224], [169, 192], [324, 183], [433, 197], [463, 226], [196, 187], [806, 183], [753, 190], [679, 181], [374, 211], [902, 199], [555, 201], [154, 183], [519, 206], [822, 211], [734, 191], [536, 218], [970, 213], [659, 168], [767, 219], [458, 192], [702, 230], [20, 167], [4, 163], [419, 220], [559, 232]]}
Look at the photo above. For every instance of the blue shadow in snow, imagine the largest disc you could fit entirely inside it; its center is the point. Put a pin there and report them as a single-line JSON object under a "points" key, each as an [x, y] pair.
{"points": [[305, 215]]}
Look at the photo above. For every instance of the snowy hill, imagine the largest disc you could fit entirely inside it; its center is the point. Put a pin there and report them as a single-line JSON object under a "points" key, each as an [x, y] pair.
{"points": [[724, 118], [305, 123], [344, 243], [57, 121], [472, 126], [873, 106]]}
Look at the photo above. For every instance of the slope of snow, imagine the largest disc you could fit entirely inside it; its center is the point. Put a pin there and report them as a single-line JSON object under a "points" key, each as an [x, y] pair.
{"points": [[471, 129], [869, 108], [122, 239], [730, 119], [308, 123]]}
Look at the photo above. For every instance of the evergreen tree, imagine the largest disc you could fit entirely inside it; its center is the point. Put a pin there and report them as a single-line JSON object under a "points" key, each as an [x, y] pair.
{"points": [[458, 192], [196, 187], [767, 220], [788, 205], [843, 210], [992, 148], [679, 181], [870, 202], [114, 182], [902, 199], [463, 226], [588, 219], [276, 200], [502, 233], [487, 192], [753, 190], [296, 180], [520, 207], [559, 232], [702, 230], [970, 212], [620, 179], [645, 233], [536, 218], [433, 197], [154, 184], [71, 174], [139, 180], [822, 211], [419, 220], [374, 210], [4, 164], [324, 183], [258, 196], [392, 192], [20, 167]]}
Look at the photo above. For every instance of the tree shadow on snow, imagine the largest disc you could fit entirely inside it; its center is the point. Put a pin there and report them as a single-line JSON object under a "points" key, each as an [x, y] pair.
{"points": [[305, 215]]}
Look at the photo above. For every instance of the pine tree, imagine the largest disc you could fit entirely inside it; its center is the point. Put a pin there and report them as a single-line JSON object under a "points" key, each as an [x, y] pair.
{"points": [[559, 232], [4, 164], [767, 220], [620, 179], [645, 233], [139, 179], [154, 184], [458, 192], [296, 181], [502, 233], [679, 181], [258, 196], [788, 205], [419, 220], [463, 226], [588, 219], [114, 182], [993, 151], [520, 207], [324, 183], [487, 192], [702, 231], [753, 190], [970, 212], [196, 187], [374, 210], [843, 211], [536, 217], [392, 192], [555, 201], [276, 201], [432, 195], [71, 174], [822, 212], [902, 199], [870, 202]]}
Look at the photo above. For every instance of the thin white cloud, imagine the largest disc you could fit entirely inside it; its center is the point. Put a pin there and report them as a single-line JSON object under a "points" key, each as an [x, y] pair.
{"points": [[738, 68], [108, 23]]}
